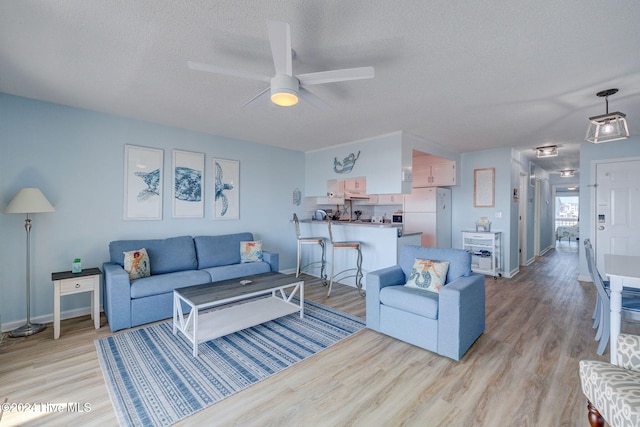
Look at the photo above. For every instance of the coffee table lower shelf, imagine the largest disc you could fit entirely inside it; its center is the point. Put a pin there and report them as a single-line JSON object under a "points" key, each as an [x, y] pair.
{"points": [[199, 325], [225, 321]]}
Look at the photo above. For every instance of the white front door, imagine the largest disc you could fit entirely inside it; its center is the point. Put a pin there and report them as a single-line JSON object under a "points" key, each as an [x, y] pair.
{"points": [[617, 219]]}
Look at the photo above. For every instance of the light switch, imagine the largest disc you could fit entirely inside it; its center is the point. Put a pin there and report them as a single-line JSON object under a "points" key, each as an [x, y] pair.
{"points": [[498, 214]]}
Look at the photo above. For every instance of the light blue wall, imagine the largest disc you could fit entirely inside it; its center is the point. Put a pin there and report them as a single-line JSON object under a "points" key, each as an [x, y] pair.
{"points": [[76, 158], [380, 161], [589, 154], [464, 214]]}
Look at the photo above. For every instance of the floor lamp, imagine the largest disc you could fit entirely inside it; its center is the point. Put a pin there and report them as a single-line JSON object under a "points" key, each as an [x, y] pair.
{"points": [[28, 201]]}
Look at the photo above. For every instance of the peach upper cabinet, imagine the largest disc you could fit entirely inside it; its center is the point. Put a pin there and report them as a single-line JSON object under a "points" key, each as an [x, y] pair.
{"points": [[432, 171]]}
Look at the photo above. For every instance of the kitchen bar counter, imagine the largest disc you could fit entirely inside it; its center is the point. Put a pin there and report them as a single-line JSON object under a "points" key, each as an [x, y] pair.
{"points": [[363, 224], [360, 223], [380, 245]]}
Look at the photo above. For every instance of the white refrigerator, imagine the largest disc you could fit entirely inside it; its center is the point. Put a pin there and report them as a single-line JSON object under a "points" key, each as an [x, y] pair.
{"points": [[428, 210]]}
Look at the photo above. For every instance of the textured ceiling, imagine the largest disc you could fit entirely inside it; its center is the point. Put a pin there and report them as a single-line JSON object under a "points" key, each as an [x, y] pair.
{"points": [[467, 75]]}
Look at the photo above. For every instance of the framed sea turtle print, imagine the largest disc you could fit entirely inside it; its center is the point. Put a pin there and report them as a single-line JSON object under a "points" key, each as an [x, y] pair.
{"points": [[226, 176], [187, 197], [142, 183]]}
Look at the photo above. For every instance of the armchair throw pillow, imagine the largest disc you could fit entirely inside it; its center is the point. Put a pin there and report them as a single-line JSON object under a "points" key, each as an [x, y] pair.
{"points": [[137, 264], [428, 275]]}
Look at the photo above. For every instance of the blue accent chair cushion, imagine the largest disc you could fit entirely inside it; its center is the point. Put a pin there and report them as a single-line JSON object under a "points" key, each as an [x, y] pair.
{"points": [[448, 322]]}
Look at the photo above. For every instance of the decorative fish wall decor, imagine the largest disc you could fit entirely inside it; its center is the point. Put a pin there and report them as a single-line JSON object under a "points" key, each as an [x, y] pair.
{"points": [[347, 163], [221, 188], [152, 179], [188, 184]]}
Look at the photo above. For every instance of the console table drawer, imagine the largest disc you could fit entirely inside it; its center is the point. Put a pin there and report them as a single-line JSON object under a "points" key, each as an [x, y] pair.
{"points": [[80, 284]]}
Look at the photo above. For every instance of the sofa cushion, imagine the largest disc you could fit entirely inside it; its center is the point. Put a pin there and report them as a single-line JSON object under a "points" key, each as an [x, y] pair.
{"points": [[237, 270], [214, 251], [165, 255], [163, 283], [428, 275], [412, 300], [136, 263]]}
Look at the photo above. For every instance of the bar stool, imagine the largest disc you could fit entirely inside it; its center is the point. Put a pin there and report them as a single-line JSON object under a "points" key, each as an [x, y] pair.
{"points": [[357, 269], [310, 241]]}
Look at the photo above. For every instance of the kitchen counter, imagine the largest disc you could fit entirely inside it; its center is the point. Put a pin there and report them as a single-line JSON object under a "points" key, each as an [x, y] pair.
{"points": [[347, 222], [380, 244], [362, 224]]}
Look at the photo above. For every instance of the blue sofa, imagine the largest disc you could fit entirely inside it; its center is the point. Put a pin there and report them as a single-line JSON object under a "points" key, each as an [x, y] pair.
{"points": [[175, 263], [448, 322]]}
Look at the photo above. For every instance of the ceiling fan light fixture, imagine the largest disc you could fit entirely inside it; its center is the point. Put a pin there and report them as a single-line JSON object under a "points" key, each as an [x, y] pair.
{"points": [[284, 90], [547, 151], [609, 126]]}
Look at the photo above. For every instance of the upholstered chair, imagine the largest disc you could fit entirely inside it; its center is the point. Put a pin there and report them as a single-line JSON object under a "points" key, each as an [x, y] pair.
{"points": [[447, 322], [613, 391]]}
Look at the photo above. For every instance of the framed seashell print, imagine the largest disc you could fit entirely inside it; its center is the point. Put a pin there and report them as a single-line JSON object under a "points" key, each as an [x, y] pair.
{"points": [[142, 183], [226, 189], [187, 199]]}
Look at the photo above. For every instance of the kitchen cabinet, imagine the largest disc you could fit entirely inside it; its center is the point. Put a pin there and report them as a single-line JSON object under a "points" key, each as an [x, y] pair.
{"points": [[355, 185], [486, 251], [390, 199], [351, 185], [429, 174]]}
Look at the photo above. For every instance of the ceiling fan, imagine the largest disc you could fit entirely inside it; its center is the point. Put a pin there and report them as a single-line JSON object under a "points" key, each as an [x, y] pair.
{"points": [[285, 87]]}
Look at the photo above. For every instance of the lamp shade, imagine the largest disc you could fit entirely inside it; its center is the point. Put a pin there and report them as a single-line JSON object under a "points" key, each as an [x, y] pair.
{"points": [[29, 200]]}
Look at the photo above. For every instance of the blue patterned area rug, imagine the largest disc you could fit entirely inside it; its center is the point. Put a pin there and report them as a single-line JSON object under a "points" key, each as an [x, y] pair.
{"points": [[154, 380]]}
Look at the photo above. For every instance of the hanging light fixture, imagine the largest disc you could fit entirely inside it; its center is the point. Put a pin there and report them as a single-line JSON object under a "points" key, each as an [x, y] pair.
{"points": [[567, 173], [609, 126], [547, 151]]}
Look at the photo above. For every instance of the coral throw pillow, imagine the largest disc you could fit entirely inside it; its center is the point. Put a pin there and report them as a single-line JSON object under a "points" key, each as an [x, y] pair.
{"points": [[428, 275], [251, 251], [136, 263]]}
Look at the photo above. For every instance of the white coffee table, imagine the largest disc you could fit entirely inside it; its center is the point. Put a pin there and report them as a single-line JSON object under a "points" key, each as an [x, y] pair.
{"points": [[200, 324]]}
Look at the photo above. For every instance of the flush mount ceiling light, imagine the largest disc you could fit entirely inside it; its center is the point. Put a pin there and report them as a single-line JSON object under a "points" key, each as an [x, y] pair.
{"points": [[284, 90], [609, 126], [548, 151], [567, 173]]}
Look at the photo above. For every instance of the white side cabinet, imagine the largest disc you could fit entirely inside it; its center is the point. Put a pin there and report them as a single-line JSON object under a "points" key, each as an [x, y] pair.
{"points": [[486, 251], [68, 283]]}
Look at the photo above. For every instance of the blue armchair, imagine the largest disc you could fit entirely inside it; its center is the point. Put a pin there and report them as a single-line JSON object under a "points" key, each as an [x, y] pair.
{"points": [[447, 322]]}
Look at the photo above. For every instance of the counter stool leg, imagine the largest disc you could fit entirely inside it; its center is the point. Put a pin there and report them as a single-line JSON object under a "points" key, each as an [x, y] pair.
{"points": [[359, 272], [323, 274], [333, 252], [298, 263]]}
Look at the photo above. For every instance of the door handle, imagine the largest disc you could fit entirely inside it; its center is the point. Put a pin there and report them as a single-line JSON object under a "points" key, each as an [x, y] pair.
{"points": [[601, 227]]}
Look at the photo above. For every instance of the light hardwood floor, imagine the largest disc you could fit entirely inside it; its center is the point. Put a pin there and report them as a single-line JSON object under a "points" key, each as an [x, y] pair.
{"points": [[523, 371]]}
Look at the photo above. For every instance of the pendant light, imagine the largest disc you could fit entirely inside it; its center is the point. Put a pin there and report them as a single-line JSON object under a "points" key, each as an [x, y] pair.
{"points": [[609, 126]]}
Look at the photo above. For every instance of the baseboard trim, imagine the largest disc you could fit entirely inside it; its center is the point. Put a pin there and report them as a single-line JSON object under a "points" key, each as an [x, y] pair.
{"points": [[47, 318], [584, 279]]}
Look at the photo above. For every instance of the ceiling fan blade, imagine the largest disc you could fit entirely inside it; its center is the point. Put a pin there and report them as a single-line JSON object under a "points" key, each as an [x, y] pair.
{"points": [[227, 71], [314, 100], [256, 99], [280, 39], [336, 76]]}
